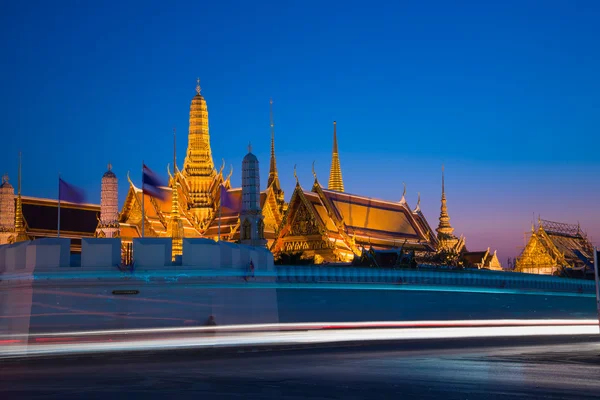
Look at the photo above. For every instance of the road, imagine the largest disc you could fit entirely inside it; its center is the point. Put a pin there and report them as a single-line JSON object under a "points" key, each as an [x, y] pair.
{"points": [[566, 367]]}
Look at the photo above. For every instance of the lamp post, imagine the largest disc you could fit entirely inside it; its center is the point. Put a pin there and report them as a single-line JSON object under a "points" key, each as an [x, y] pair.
{"points": [[597, 287]]}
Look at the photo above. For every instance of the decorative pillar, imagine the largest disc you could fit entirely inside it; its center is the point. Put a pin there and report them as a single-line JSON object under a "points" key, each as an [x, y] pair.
{"points": [[251, 219], [7, 212], [108, 225]]}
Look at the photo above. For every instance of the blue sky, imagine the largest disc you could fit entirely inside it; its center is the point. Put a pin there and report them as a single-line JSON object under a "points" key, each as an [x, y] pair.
{"points": [[505, 94]]}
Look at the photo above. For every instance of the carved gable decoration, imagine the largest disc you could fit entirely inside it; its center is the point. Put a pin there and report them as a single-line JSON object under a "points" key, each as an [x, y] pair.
{"points": [[303, 223]]}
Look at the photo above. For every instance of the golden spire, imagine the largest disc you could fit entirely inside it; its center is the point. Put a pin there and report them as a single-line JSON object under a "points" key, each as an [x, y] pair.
{"points": [[273, 176], [444, 229], [198, 166], [176, 224], [335, 175], [19, 220]]}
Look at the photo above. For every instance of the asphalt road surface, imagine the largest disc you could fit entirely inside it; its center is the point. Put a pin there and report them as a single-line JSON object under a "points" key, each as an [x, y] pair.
{"points": [[535, 367]]}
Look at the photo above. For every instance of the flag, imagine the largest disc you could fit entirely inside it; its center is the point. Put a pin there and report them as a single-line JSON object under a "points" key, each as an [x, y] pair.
{"points": [[152, 184], [70, 193], [229, 201]]}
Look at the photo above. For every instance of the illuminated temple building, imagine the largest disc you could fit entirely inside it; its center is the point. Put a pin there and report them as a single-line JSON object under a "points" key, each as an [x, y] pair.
{"points": [[329, 225], [192, 206], [556, 249]]}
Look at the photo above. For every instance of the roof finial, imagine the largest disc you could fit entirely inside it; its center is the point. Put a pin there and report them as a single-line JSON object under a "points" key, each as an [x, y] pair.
{"points": [[249, 147], [443, 188], [313, 171], [109, 166], [197, 85], [273, 175], [5, 178], [296, 175]]}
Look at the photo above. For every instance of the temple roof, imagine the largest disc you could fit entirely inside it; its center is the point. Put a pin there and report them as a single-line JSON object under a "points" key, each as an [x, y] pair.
{"points": [[42, 214], [373, 217]]}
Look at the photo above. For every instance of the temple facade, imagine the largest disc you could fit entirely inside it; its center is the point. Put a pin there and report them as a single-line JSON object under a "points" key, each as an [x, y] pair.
{"points": [[556, 248], [192, 205]]}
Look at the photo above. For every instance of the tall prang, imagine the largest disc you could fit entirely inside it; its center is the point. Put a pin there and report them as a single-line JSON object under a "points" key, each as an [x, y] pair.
{"points": [[198, 166], [108, 225], [251, 218], [7, 211], [335, 175]]}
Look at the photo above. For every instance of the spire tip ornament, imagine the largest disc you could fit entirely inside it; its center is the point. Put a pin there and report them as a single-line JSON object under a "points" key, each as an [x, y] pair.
{"points": [[296, 175], [198, 86]]}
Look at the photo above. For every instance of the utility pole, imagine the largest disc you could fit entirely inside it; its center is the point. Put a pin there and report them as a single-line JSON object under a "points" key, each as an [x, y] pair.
{"points": [[597, 288]]}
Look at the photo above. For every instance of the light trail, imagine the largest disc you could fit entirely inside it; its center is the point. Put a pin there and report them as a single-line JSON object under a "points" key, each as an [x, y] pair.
{"points": [[294, 334], [322, 325]]}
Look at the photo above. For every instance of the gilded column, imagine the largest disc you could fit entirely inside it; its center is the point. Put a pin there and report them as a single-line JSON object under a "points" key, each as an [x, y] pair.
{"points": [[20, 230], [176, 223]]}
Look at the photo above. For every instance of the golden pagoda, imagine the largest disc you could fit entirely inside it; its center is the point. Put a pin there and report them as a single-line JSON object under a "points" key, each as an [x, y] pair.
{"points": [[335, 174], [191, 208], [448, 243]]}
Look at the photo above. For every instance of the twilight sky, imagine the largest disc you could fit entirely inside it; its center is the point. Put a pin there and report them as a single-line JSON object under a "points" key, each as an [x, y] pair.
{"points": [[506, 95]]}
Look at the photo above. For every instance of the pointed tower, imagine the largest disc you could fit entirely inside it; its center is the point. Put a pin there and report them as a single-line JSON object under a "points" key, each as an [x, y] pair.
{"points": [[198, 167], [335, 175], [444, 229], [445, 232], [19, 219], [108, 225], [7, 211], [273, 175], [176, 223], [251, 219]]}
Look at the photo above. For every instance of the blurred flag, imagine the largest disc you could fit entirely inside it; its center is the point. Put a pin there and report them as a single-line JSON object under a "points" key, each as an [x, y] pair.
{"points": [[70, 193], [152, 184], [229, 201]]}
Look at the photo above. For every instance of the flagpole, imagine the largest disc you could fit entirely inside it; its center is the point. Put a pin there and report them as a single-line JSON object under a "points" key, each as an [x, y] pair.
{"points": [[58, 222], [142, 198]]}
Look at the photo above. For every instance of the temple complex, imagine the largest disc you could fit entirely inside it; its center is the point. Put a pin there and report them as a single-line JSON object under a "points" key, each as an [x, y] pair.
{"points": [[320, 225], [556, 248]]}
